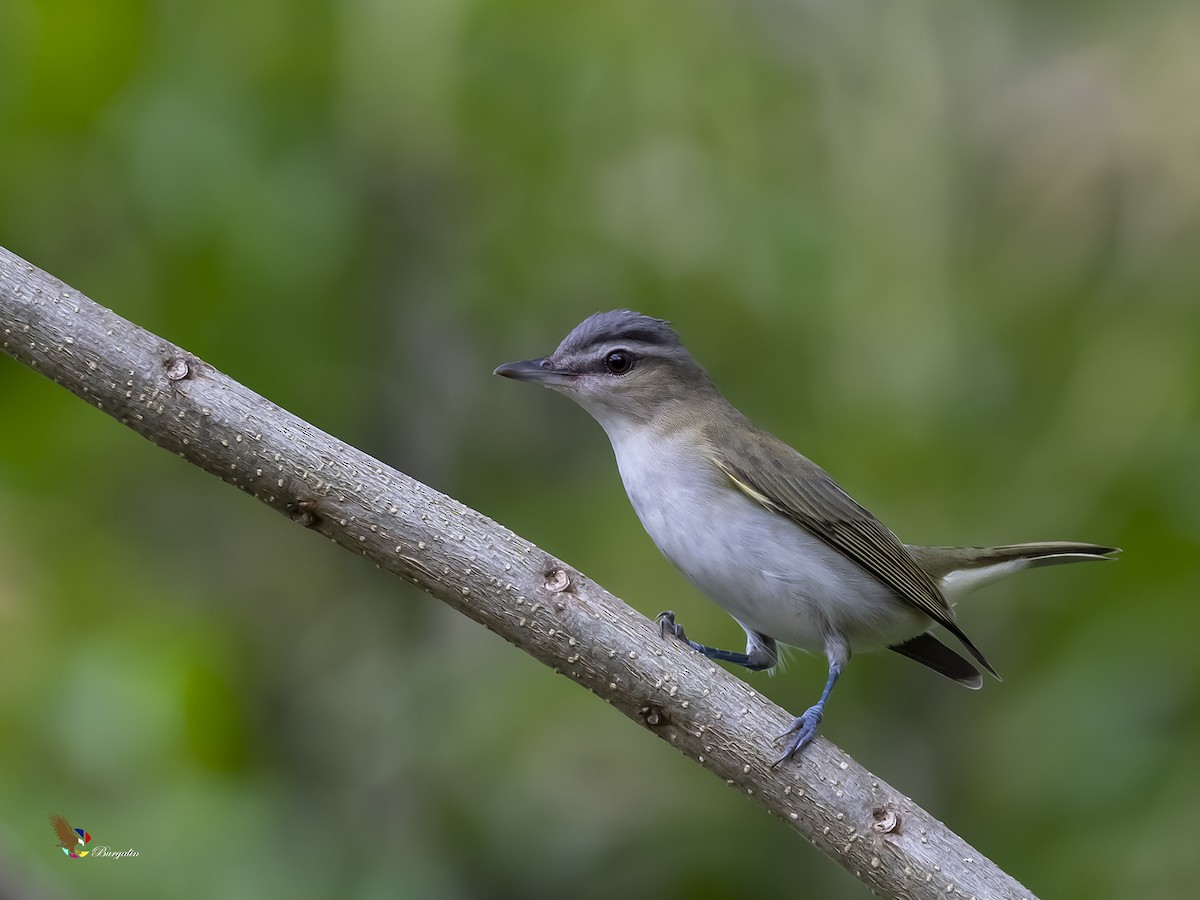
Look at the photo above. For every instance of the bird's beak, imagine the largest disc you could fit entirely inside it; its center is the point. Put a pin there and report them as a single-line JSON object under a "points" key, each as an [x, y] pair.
{"points": [[540, 371]]}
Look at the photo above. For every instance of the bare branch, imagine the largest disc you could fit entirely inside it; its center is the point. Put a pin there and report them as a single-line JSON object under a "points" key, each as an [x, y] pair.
{"points": [[483, 570]]}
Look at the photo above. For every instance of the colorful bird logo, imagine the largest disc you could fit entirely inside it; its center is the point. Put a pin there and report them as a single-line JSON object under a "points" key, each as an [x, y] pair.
{"points": [[70, 840]]}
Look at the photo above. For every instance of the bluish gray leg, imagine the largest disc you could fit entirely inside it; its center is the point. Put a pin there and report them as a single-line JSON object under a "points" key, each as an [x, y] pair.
{"points": [[804, 727], [761, 650]]}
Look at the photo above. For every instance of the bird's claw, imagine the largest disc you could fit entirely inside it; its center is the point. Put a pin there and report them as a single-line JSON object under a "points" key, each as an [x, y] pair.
{"points": [[802, 730], [668, 627]]}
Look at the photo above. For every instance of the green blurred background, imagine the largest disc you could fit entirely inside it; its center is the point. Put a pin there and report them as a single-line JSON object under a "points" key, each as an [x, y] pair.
{"points": [[947, 250]]}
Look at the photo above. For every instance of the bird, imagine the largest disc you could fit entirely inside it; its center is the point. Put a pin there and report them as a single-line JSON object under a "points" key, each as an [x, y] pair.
{"points": [[761, 529], [70, 840]]}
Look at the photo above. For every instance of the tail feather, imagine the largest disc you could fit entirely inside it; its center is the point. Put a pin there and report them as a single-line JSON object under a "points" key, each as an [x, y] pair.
{"points": [[959, 570], [929, 651], [1049, 553]]}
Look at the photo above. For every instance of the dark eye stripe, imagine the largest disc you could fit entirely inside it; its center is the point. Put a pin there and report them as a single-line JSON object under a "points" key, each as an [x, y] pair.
{"points": [[601, 349], [655, 338], [625, 339], [619, 327]]}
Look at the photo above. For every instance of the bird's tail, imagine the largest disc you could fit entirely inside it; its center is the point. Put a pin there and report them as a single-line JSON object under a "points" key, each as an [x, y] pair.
{"points": [[1047, 553], [959, 570]]}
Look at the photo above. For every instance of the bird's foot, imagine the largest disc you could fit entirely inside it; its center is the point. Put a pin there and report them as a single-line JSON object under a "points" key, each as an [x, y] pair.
{"points": [[668, 627], [802, 730]]}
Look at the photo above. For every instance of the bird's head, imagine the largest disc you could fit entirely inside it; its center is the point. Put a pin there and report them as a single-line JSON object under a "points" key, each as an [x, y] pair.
{"points": [[620, 366]]}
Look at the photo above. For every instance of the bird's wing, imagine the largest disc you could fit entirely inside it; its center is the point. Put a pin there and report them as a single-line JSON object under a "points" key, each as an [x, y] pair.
{"points": [[793, 486], [64, 831]]}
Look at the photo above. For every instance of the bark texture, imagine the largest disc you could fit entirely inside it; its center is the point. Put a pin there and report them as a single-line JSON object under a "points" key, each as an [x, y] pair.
{"points": [[490, 574]]}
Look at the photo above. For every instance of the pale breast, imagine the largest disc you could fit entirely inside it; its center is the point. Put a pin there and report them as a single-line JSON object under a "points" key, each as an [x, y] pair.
{"points": [[769, 573]]}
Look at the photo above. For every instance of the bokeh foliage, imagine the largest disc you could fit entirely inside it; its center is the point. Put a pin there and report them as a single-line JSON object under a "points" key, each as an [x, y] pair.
{"points": [[947, 250]]}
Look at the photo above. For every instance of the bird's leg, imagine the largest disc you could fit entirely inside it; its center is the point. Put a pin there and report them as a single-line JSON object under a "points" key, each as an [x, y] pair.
{"points": [[804, 727], [761, 651]]}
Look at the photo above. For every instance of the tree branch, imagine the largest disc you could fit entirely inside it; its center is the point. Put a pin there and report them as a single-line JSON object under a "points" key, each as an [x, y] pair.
{"points": [[486, 572]]}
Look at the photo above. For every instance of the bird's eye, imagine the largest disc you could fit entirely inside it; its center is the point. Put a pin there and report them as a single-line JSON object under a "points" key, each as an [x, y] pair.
{"points": [[618, 362]]}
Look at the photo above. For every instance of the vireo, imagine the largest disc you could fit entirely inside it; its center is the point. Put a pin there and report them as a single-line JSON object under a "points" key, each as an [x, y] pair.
{"points": [[764, 531]]}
